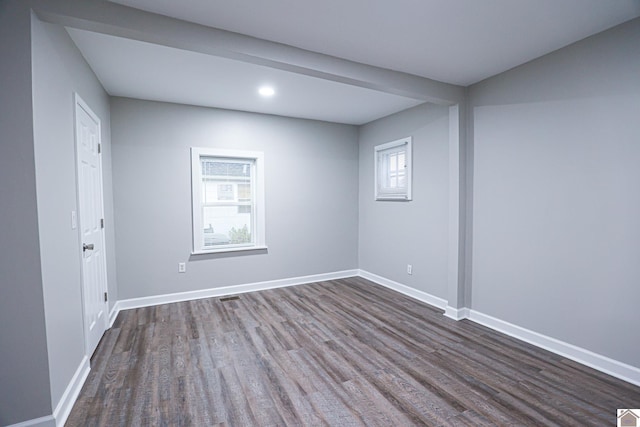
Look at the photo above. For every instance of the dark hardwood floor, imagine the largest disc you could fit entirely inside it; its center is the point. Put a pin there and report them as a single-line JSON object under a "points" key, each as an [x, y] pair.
{"points": [[339, 353]]}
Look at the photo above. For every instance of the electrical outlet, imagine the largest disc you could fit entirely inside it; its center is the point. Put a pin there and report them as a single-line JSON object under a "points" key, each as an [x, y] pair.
{"points": [[182, 267], [409, 269]]}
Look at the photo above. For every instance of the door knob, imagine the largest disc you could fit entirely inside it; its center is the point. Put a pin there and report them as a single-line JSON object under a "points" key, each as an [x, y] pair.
{"points": [[86, 247]]}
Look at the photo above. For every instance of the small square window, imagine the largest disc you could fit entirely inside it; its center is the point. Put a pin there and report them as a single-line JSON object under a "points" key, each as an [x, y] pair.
{"points": [[393, 170]]}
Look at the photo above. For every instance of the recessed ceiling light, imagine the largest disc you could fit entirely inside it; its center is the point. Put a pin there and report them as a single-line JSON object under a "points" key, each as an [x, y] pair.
{"points": [[266, 91]]}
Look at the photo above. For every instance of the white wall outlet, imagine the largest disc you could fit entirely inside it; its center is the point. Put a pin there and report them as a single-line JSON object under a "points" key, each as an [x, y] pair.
{"points": [[182, 267], [409, 269], [74, 220]]}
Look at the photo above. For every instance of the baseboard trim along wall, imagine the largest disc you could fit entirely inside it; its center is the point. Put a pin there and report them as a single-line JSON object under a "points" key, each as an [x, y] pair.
{"points": [[456, 313], [223, 291], [114, 313], [63, 409], [47, 421], [68, 399], [601, 363], [404, 289], [628, 373]]}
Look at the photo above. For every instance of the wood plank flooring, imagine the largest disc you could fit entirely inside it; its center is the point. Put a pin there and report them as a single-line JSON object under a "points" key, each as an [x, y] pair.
{"points": [[338, 353]]}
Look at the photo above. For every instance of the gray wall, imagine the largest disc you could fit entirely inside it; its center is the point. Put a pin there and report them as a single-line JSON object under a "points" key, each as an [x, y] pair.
{"points": [[24, 371], [311, 196], [59, 70], [556, 200], [393, 234]]}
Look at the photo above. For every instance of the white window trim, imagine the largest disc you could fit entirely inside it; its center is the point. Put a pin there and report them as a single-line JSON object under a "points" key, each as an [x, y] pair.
{"points": [[400, 196], [259, 202]]}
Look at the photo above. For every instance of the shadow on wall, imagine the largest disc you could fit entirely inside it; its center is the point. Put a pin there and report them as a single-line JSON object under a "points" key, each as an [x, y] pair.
{"points": [[581, 70]]}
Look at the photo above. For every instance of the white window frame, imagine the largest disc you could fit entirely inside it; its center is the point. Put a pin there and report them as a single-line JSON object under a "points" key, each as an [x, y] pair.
{"points": [[258, 219], [380, 151]]}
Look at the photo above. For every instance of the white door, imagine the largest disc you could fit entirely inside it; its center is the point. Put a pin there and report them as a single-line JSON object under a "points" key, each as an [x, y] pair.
{"points": [[90, 221]]}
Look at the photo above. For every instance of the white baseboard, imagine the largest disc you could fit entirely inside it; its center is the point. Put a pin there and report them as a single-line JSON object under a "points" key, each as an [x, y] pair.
{"points": [[114, 313], [623, 371], [47, 421], [404, 289], [596, 361], [63, 409], [226, 290], [456, 313], [604, 364]]}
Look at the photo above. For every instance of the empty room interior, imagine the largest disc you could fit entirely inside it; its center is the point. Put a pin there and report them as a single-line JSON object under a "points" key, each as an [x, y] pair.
{"points": [[319, 213]]}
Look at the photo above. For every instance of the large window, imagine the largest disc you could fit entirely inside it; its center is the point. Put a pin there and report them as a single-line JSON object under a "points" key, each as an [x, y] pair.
{"points": [[228, 200], [393, 170]]}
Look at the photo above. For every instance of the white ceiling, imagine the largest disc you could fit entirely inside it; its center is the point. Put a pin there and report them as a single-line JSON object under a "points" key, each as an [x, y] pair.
{"points": [[454, 41], [142, 70]]}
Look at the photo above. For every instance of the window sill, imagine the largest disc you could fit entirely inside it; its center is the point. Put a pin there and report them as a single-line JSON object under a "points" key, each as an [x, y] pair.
{"points": [[394, 198], [230, 250]]}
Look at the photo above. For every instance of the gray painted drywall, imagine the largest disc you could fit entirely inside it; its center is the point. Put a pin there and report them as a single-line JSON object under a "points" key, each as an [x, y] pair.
{"points": [[393, 234], [556, 200], [24, 370], [311, 196], [59, 71]]}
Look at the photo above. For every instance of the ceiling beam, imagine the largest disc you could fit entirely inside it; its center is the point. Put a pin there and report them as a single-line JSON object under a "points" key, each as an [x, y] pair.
{"points": [[122, 21]]}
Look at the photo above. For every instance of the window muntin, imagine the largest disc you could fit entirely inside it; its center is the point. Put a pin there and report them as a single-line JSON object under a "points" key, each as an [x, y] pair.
{"points": [[227, 192], [393, 170]]}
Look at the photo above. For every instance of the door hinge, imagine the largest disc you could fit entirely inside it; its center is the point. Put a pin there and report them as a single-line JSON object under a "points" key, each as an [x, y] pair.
{"points": [[99, 148], [105, 297], [102, 223]]}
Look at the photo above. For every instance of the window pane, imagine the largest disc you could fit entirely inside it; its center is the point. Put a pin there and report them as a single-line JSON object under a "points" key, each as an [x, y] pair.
{"points": [[227, 199], [244, 192], [393, 162], [393, 170], [224, 225], [402, 179], [209, 192], [225, 192], [221, 169], [226, 182]]}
